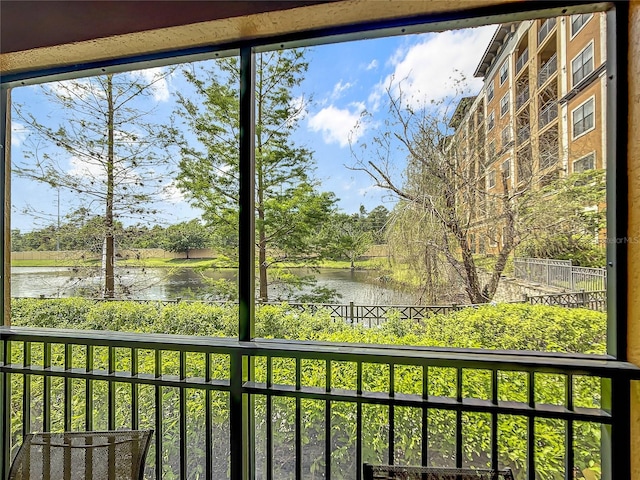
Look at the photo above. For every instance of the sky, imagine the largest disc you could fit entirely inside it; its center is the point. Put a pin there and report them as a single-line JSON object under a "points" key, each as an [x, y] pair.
{"points": [[343, 82]]}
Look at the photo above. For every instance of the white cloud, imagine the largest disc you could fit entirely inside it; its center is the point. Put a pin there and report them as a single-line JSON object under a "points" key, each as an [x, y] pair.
{"points": [[298, 106], [172, 194], [160, 88], [84, 169], [338, 125], [19, 133], [372, 65], [428, 71], [340, 87], [82, 88]]}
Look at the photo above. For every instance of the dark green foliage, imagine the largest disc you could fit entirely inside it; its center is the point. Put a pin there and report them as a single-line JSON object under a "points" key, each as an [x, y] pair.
{"points": [[518, 327]]}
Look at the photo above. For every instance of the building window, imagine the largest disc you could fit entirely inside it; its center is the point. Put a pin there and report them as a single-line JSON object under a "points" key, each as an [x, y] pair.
{"points": [[504, 72], [504, 105], [588, 162], [506, 168], [578, 21], [582, 65], [583, 118], [506, 136], [491, 151], [490, 90], [491, 121], [492, 178]]}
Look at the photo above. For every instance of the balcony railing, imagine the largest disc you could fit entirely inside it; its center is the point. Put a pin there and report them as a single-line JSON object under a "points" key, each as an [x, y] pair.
{"points": [[523, 134], [522, 97], [547, 70], [548, 157], [545, 28], [302, 407], [548, 114], [522, 60]]}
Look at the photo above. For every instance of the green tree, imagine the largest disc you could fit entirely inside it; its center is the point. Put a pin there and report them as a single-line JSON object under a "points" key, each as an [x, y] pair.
{"points": [[102, 148], [186, 236], [289, 209], [348, 236]]}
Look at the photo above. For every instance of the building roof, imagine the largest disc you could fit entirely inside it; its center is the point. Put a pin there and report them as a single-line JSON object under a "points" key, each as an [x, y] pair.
{"points": [[493, 49]]}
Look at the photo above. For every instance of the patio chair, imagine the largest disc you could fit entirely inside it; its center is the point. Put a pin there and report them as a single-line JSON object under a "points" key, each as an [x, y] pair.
{"points": [[398, 472], [114, 455]]}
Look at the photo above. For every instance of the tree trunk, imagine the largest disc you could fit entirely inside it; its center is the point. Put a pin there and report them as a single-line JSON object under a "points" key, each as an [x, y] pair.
{"points": [[109, 281]]}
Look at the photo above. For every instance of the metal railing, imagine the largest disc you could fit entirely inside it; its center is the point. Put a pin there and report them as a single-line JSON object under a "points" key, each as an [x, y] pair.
{"points": [[545, 28], [523, 134], [547, 70], [592, 300], [548, 157], [548, 114], [308, 409], [522, 97], [560, 273], [522, 60]]}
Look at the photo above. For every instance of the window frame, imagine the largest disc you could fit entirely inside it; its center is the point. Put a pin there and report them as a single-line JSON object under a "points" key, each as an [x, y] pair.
{"points": [[491, 89], [573, 122], [509, 137], [505, 64], [506, 170], [491, 120], [573, 34], [591, 45], [584, 157], [504, 102]]}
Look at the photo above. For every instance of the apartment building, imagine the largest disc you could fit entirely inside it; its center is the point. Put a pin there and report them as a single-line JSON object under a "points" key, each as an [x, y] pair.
{"points": [[540, 113]]}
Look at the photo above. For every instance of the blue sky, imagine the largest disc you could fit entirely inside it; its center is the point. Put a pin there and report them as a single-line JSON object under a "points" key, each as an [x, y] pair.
{"points": [[343, 80]]}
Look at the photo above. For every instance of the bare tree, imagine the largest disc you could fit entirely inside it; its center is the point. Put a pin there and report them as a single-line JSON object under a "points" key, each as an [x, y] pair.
{"points": [[102, 148]]}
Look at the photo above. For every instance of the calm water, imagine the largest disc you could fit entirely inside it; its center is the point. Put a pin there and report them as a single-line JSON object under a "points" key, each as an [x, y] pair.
{"points": [[360, 287]]}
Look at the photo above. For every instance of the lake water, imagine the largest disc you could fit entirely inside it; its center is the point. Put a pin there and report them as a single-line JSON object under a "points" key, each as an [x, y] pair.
{"points": [[361, 287]]}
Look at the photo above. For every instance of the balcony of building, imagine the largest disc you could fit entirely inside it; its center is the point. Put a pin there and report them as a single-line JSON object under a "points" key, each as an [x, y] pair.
{"points": [[245, 408], [522, 59], [548, 69], [522, 96], [546, 27]]}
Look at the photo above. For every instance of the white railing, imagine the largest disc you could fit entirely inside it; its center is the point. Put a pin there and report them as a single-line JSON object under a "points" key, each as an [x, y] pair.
{"points": [[560, 274]]}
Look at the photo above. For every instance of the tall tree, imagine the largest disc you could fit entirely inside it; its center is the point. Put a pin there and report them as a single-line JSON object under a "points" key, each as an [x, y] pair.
{"points": [[289, 209], [103, 148]]}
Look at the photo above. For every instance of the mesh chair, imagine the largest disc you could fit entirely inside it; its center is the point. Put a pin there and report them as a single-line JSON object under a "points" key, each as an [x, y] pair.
{"points": [[397, 472], [116, 455]]}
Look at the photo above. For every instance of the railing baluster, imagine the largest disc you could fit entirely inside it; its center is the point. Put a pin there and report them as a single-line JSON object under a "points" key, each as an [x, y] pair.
{"points": [[135, 416], [459, 419], [111, 389], [26, 389], [183, 416], [269, 451], [358, 422], [392, 416], [494, 421], [298, 424], [46, 406], [569, 455], [88, 392], [425, 415], [68, 360], [158, 414], [208, 424], [327, 421], [531, 439]]}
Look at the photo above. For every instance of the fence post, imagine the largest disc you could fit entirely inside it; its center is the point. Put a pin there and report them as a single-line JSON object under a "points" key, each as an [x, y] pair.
{"points": [[525, 298], [351, 311]]}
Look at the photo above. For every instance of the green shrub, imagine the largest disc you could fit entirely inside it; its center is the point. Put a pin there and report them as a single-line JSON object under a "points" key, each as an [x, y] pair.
{"points": [[510, 327]]}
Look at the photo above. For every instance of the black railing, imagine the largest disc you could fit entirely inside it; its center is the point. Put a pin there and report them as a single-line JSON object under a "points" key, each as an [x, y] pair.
{"points": [[547, 70], [305, 409], [547, 114], [545, 28]]}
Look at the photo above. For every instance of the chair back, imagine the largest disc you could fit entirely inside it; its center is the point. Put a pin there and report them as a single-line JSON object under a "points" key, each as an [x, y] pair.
{"points": [[398, 472], [112, 455]]}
